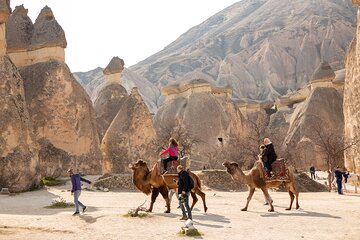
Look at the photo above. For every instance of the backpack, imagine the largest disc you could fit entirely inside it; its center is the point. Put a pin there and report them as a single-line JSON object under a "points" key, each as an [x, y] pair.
{"points": [[191, 183]]}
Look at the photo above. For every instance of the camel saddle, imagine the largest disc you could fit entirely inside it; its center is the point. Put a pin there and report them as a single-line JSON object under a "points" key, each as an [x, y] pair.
{"points": [[279, 171], [172, 165]]}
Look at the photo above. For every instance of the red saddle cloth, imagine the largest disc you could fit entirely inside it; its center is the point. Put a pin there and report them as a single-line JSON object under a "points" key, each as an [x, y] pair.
{"points": [[279, 171], [171, 167]]}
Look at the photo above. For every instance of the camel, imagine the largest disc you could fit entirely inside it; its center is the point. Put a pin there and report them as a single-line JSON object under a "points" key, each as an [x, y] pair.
{"points": [[149, 181], [256, 179]]}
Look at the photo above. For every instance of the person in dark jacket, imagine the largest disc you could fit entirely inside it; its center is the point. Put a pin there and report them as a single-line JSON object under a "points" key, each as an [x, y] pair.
{"points": [[270, 154], [312, 172], [339, 175], [76, 189], [184, 192]]}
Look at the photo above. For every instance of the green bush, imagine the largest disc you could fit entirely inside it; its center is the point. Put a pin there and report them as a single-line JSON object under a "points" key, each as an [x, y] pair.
{"points": [[50, 181], [60, 203]]}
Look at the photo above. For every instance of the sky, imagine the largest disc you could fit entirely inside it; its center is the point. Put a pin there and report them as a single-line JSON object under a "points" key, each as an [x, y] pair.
{"points": [[132, 30]]}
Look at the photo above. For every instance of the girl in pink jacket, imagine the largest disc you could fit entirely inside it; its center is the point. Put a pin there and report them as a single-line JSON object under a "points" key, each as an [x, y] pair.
{"points": [[173, 152]]}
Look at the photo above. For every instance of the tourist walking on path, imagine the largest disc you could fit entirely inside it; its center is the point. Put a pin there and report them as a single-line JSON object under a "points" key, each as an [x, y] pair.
{"points": [[76, 190], [184, 189], [339, 175], [312, 172]]}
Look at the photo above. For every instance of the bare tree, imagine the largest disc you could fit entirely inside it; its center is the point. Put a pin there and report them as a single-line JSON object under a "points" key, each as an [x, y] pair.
{"points": [[185, 139], [332, 145]]}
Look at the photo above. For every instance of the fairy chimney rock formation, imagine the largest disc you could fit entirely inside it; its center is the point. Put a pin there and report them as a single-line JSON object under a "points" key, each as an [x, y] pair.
{"points": [[19, 160], [110, 97], [30, 43], [113, 71], [129, 136], [206, 112], [352, 101], [5, 11], [19, 30], [61, 112]]}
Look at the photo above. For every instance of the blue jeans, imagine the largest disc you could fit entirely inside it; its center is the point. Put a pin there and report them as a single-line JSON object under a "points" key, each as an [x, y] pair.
{"points": [[186, 205], [76, 200]]}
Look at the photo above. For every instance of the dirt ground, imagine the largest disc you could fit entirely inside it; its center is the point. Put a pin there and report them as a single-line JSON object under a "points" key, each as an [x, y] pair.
{"points": [[321, 216]]}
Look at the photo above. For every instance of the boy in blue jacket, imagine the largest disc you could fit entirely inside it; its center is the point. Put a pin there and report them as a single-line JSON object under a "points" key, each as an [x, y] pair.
{"points": [[76, 190]]}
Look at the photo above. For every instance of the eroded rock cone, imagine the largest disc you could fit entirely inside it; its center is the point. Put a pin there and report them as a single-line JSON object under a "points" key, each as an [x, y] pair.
{"points": [[111, 97], [63, 117], [107, 105], [206, 114], [19, 161], [19, 30], [129, 136], [47, 31]]}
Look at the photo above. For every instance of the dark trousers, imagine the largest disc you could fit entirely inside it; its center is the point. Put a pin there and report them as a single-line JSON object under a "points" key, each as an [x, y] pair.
{"points": [[339, 186], [169, 159], [312, 175]]}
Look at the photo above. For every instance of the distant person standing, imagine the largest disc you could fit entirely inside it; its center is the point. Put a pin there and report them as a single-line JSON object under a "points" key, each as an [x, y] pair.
{"points": [[76, 190], [312, 172], [339, 176], [184, 189]]}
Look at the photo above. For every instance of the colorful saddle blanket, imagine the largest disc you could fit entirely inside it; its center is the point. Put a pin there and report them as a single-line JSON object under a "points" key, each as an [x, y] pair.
{"points": [[279, 171], [172, 165]]}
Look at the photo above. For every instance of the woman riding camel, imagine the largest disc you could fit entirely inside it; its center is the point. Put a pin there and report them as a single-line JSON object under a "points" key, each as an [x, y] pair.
{"points": [[269, 154], [173, 152]]}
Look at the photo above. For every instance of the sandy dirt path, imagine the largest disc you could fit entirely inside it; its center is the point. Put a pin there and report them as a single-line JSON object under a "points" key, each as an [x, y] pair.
{"points": [[322, 216]]}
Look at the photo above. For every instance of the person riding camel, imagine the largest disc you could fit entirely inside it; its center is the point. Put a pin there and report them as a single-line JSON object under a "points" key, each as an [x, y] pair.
{"points": [[269, 156], [173, 153]]}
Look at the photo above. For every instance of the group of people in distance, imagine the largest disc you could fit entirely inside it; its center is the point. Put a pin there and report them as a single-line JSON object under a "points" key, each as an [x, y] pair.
{"points": [[338, 174]]}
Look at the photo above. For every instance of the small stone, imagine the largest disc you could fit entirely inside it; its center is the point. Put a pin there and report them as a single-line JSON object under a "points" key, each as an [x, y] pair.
{"points": [[106, 189], [5, 191]]}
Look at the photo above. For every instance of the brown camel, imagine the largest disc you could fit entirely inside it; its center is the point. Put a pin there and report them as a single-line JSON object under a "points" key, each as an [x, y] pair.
{"points": [[149, 181], [255, 179]]}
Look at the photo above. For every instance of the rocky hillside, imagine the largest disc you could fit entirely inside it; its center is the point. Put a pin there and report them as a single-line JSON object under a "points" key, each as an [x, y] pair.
{"points": [[94, 80], [61, 113], [352, 102], [260, 48]]}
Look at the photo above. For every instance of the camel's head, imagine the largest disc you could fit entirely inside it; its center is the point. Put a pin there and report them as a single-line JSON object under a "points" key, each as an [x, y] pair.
{"points": [[140, 164], [230, 167]]}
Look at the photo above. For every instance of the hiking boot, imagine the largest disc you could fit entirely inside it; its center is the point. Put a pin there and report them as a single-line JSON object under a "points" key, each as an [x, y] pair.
{"points": [[84, 209], [76, 213], [184, 218]]}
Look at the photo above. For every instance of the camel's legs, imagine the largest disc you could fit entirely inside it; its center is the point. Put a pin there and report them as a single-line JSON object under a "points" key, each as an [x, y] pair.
{"points": [[291, 188], [195, 199], [251, 193], [268, 198], [291, 200], [202, 195], [154, 194], [355, 187], [165, 194]]}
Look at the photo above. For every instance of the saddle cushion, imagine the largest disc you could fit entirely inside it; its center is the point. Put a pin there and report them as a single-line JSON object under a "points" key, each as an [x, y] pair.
{"points": [[279, 170]]}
